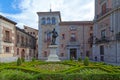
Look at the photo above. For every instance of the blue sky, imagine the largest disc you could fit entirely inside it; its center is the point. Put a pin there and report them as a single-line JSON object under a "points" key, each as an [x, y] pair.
{"points": [[7, 6], [24, 11]]}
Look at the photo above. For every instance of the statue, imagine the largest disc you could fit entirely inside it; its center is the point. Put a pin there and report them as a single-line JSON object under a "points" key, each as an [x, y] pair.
{"points": [[54, 36]]}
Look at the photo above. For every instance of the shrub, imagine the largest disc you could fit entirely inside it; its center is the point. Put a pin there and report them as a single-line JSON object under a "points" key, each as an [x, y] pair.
{"points": [[79, 59], [86, 61], [19, 62], [33, 59], [15, 75], [22, 59]]}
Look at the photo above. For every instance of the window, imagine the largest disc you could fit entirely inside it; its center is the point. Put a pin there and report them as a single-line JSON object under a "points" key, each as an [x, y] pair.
{"points": [[73, 37], [62, 45], [33, 32], [63, 36], [101, 50], [45, 53], [7, 36], [62, 55], [48, 20], [7, 49], [22, 39], [18, 38], [26, 41], [43, 21], [104, 8], [91, 28], [72, 28], [103, 34], [53, 20], [17, 51]]}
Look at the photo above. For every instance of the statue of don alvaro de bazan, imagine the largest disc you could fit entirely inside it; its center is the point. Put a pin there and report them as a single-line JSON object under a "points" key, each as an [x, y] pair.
{"points": [[53, 57], [54, 36]]}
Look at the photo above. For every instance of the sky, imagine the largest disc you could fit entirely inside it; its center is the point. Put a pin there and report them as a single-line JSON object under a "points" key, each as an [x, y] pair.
{"points": [[24, 11]]}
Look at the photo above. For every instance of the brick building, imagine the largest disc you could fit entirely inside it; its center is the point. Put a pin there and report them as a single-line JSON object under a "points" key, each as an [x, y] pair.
{"points": [[74, 40], [106, 45], [7, 39], [25, 44]]}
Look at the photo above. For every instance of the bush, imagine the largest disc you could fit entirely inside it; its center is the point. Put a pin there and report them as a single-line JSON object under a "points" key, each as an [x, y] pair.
{"points": [[86, 61], [22, 59], [33, 59], [79, 59], [19, 62], [15, 75]]}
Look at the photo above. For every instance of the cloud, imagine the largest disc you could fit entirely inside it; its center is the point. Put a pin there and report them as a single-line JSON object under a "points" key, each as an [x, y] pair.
{"points": [[70, 10]]}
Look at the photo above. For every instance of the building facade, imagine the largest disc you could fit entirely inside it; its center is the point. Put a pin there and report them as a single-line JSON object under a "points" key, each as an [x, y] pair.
{"points": [[73, 40], [7, 39], [34, 33], [25, 45], [15, 42], [106, 45]]}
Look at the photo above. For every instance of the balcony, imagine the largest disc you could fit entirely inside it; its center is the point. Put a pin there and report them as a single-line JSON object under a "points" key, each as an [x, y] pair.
{"points": [[73, 43], [118, 36], [103, 13], [90, 40], [102, 40], [7, 40]]}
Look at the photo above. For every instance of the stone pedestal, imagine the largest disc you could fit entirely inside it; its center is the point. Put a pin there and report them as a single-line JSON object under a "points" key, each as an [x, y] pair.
{"points": [[53, 54]]}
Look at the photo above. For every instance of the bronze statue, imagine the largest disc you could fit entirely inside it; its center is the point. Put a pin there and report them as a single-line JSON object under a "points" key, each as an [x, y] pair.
{"points": [[54, 36]]}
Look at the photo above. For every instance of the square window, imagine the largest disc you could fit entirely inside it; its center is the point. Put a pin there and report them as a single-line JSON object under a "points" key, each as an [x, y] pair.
{"points": [[7, 49]]}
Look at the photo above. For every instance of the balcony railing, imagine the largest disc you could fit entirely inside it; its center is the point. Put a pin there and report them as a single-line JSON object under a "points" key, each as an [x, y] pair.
{"points": [[103, 13], [102, 40], [7, 40]]}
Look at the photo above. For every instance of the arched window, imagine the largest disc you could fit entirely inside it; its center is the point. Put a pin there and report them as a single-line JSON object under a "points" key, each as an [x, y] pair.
{"points": [[53, 20], [43, 21], [48, 20]]}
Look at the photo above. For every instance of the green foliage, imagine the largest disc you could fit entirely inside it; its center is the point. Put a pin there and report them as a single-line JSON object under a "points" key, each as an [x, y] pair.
{"points": [[15, 75], [19, 62], [86, 61], [79, 59], [33, 59], [23, 59], [64, 70]]}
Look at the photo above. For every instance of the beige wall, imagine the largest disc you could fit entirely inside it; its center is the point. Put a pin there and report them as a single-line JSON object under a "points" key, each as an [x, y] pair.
{"points": [[7, 26]]}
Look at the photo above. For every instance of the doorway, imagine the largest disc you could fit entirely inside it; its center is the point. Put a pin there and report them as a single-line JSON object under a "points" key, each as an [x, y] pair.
{"points": [[73, 53], [23, 53]]}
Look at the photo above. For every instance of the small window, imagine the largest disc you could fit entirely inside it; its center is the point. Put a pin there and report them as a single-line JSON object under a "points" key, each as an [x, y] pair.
{"points": [[7, 49], [48, 20], [62, 54], [43, 21], [53, 20], [63, 36], [103, 34], [62, 45], [73, 37], [91, 28], [72, 28], [7, 36], [17, 51], [18, 38], [104, 8], [45, 53], [33, 32]]}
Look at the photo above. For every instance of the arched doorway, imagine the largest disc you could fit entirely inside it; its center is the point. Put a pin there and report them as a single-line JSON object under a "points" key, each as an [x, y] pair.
{"points": [[23, 53]]}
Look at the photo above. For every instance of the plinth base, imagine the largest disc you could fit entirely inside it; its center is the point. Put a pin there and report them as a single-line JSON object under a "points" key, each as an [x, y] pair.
{"points": [[53, 54]]}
